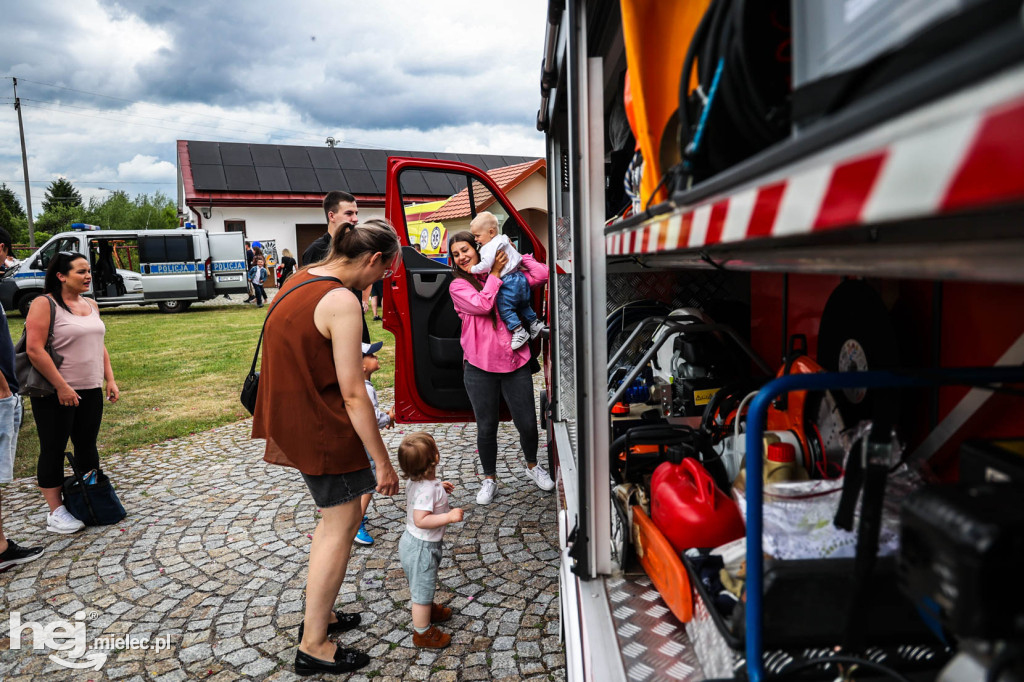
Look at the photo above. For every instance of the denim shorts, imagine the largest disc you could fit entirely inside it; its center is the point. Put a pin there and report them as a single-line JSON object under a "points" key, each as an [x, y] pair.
{"points": [[420, 559], [330, 490], [10, 423]]}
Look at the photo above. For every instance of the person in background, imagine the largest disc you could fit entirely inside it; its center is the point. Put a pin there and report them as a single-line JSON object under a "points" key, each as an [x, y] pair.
{"points": [[287, 267], [419, 549], [376, 294], [257, 276], [11, 553], [385, 420], [312, 384], [340, 209], [249, 256], [75, 409], [492, 368]]}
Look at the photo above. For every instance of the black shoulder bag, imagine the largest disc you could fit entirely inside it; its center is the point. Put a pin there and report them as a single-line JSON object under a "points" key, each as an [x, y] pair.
{"points": [[251, 386]]}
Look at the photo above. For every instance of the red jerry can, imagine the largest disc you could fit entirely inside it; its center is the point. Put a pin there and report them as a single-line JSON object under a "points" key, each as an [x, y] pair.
{"points": [[690, 510]]}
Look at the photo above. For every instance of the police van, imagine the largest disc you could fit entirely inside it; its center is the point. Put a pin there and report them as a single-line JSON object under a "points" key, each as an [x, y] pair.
{"points": [[171, 268]]}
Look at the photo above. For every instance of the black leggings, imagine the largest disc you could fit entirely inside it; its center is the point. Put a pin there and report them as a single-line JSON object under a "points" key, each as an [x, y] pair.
{"points": [[56, 423]]}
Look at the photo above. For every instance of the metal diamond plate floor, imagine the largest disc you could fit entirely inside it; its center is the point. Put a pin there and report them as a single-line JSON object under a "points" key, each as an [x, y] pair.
{"points": [[654, 644]]}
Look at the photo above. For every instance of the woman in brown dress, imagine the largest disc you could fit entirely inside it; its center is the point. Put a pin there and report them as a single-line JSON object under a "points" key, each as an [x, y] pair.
{"points": [[316, 416]]}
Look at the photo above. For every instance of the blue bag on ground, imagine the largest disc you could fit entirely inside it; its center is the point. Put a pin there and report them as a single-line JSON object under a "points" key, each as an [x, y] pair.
{"points": [[92, 499]]}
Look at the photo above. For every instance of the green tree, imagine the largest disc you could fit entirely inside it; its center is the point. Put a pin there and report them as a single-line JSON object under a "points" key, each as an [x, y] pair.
{"points": [[9, 200], [58, 218], [61, 193]]}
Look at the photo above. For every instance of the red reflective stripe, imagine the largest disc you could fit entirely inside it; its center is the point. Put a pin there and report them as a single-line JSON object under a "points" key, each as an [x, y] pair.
{"points": [[766, 206], [716, 222], [848, 191], [684, 232], [993, 169]]}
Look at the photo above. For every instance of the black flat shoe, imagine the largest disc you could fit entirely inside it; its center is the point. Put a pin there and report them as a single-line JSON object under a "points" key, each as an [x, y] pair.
{"points": [[345, 661], [346, 622]]}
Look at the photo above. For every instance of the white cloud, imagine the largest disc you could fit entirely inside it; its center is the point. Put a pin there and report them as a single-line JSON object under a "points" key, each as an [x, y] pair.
{"points": [[145, 169]]}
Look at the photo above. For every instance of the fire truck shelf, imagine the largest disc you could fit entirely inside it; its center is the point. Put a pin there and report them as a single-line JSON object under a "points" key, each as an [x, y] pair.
{"points": [[937, 192]]}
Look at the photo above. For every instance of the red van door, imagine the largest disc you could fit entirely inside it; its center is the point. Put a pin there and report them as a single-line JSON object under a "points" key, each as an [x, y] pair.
{"points": [[428, 201]]}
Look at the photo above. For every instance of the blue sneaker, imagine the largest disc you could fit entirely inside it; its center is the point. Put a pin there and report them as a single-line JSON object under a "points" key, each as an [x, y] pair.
{"points": [[362, 537]]}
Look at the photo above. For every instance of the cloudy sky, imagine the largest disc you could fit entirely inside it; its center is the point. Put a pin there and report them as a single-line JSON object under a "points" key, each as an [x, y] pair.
{"points": [[107, 87]]}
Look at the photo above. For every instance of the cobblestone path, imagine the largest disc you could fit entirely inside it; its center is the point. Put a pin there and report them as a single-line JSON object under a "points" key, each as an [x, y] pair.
{"points": [[213, 556]]}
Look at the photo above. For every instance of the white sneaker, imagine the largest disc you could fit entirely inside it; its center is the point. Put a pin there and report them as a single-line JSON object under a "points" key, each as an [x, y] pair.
{"points": [[487, 490], [61, 521], [519, 337], [537, 328], [540, 477]]}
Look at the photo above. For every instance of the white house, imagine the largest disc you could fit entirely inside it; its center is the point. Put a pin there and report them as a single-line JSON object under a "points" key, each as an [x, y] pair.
{"points": [[274, 193]]}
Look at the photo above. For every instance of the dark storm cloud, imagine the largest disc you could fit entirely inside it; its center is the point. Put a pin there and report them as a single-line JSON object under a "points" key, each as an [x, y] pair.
{"points": [[337, 71]]}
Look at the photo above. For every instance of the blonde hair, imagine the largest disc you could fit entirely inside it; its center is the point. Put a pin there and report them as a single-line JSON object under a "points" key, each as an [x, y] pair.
{"points": [[485, 219], [287, 254], [417, 455]]}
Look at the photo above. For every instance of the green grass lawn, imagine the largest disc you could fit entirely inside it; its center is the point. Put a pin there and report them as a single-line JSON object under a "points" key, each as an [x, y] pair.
{"points": [[178, 374]]}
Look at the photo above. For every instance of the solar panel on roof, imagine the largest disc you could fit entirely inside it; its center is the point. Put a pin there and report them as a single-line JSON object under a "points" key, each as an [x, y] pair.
{"points": [[241, 178], [265, 155], [448, 156], [234, 154], [208, 177], [295, 157], [359, 182], [303, 180], [203, 153], [349, 158], [322, 157], [412, 182], [376, 159], [272, 179], [440, 184], [330, 179], [472, 160]]}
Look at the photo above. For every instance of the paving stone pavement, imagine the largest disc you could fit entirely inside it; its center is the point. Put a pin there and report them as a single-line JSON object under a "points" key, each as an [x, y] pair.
{"points": [[214, 551]]}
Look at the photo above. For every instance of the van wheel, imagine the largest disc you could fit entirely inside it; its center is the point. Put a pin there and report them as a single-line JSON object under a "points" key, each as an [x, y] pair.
{"points": [[25, 302], [173, 306]]}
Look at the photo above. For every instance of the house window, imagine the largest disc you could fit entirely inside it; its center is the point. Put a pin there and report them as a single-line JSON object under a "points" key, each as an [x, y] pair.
{"points": [[234, 226]]}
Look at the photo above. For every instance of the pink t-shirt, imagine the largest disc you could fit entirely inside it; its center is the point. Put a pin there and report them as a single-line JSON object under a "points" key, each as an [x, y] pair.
{"points": [[80, 340]]}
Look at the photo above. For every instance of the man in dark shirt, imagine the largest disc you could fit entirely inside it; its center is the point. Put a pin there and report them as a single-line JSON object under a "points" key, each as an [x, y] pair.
{"points": [[11, 553], [340, 208]]}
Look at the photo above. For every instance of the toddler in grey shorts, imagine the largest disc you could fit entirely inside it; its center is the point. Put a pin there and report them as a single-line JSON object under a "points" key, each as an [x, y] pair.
{"points": [[419, 550]]}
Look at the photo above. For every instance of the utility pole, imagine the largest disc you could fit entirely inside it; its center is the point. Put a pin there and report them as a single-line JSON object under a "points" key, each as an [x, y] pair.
{"points": [[24, 163]]}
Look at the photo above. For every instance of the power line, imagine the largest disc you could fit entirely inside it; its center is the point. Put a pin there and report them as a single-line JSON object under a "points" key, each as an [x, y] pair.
{"points": [[190, 113]]}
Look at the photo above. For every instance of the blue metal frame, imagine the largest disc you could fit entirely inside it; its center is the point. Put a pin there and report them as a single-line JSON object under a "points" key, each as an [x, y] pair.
{"points": [[756, 417]]}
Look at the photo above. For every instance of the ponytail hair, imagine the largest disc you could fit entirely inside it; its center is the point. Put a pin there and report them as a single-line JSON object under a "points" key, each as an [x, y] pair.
{"points": [[352, 242]]}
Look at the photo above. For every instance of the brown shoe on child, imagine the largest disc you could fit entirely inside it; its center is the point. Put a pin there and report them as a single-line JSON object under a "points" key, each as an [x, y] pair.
{"points": [[431, 639], [439, 614]]}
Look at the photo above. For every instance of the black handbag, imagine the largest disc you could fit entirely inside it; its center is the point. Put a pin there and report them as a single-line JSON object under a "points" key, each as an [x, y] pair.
{"points": [[92, 501], [251, 385], [31, 381]]}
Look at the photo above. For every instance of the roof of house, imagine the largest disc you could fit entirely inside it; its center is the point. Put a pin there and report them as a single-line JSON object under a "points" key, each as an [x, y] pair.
{"points": [[225, 172], [506, 178]]}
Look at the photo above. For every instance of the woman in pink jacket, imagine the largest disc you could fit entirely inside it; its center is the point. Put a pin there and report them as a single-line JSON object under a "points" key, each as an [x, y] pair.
{"points": [[492, 368]]}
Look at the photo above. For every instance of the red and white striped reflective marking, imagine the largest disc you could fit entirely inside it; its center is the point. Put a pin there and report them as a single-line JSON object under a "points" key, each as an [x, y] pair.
{"points": [[947, 164]]}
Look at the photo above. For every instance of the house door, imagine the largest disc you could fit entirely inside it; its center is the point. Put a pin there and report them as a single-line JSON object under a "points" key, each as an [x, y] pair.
{"points": [[306, 235]]}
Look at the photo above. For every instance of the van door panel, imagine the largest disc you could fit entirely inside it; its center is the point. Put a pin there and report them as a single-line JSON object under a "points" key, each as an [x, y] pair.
{"points": [[169, 266], [417, 307], [227, 251]]}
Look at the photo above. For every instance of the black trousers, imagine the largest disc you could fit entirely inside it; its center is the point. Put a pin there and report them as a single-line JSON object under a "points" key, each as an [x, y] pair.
{"points": [[56, 423]]}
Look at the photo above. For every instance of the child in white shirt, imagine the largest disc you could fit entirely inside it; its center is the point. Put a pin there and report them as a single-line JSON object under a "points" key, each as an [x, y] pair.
{"points": [[419, 550], [513, 300]]}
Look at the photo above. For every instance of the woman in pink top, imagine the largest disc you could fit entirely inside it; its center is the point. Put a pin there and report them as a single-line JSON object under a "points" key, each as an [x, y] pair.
{"points": [[492, 368], [75, 409]]}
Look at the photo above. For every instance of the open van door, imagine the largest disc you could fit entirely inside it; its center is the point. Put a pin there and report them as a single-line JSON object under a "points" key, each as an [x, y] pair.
{"points": [[227, 263], [168, 263], [417, 307]]}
